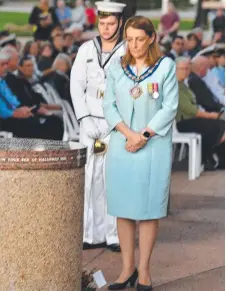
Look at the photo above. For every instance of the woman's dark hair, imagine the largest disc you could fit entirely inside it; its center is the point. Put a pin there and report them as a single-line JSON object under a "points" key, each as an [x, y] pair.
{"points": [[44, 45], [142, 23], [27, 47], [24, 59], [194, 36]]}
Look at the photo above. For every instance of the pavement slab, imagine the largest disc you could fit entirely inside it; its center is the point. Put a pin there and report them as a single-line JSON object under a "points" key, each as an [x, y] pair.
{"points": [[189, 252]]}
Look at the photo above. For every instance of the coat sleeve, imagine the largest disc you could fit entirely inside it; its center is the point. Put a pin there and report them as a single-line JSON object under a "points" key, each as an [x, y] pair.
{"points": [[78, 83], [163, 119], [204, 96], [111, 112]]}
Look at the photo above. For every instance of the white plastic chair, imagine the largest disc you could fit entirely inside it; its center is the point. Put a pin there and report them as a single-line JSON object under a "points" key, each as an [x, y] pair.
{"points": [[5, 134], [194, 142]]}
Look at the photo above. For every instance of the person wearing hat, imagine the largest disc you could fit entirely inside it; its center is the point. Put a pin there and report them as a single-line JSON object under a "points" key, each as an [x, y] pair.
{"points": [[6, 40], [211, 80], [219, 70], [88, 83]]}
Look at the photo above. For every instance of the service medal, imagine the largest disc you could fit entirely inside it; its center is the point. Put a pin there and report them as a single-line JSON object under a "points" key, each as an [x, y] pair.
{"points": [[155, 88], [136, 92]]}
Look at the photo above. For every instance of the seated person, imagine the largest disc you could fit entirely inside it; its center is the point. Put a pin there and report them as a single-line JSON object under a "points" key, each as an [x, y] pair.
{"points": [[45, 58], [20, 84], [211, 80], [59, 79], [219, 69], [70, 47], [22, 120], [177, 49], [58, 45], [203, 94], [191, 119], [192, 45]]}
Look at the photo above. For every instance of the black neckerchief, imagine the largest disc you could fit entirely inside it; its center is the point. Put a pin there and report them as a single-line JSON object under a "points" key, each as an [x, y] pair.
{"points": [[98, 44]]}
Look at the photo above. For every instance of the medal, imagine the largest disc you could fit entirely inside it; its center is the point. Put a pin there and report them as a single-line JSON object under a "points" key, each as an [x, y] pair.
{"points": [[136, 92], [150, 91], [155, 88]]}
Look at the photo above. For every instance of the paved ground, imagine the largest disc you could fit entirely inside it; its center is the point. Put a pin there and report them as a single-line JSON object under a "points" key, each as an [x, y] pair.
{"points": [[189, 254]]}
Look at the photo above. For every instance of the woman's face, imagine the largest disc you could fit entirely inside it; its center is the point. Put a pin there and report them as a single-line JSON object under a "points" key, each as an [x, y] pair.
{"points": [[34, 49], [221, 61], [138, 42], [191, 43], [44, 2], [47, 51]]}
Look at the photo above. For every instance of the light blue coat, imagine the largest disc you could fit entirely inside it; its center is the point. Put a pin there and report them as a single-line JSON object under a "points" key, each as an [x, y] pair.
{"points": [[137, 184]]}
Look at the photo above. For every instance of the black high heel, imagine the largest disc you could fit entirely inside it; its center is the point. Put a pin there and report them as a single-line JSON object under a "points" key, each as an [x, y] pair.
{"points": [[120, 286], [143, 287]]}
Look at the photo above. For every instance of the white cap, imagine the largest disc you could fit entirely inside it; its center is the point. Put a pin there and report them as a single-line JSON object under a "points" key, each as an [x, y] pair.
{"points": [[110, 7], [6, 40], [211, 49], [4, 56]]}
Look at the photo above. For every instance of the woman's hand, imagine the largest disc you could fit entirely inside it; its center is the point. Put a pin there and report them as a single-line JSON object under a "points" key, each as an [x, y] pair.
{"points": [[135, 142]]}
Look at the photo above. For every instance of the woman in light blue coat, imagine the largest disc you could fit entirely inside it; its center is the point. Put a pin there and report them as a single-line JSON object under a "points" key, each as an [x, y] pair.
{"points": [[140, 105]]}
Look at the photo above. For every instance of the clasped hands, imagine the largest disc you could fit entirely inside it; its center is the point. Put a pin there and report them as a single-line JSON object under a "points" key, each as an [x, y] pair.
{"points": [[136, 140]]}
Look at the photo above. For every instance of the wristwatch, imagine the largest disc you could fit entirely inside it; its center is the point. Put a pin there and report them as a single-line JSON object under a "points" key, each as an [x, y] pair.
{"points": [[147, 134]]}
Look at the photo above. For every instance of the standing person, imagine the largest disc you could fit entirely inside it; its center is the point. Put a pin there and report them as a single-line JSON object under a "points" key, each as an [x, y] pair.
{"points": [[169, 22], [63, 13], [78, 20], [140, 105], [90, 16], [88, 81], [44, 18], [219, 25]]}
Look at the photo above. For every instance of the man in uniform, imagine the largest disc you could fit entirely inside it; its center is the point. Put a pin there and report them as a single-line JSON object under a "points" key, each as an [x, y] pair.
{"points": [[88, 82]]}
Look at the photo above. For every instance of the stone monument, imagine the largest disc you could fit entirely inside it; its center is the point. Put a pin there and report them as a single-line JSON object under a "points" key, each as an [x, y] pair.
{"points": [[41, 211]]}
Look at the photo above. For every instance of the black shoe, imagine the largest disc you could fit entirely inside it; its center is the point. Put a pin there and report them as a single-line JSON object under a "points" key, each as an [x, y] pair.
{"points": [[211, 163], [143, 287], [114, 248], [120, 286], [87, 246]]}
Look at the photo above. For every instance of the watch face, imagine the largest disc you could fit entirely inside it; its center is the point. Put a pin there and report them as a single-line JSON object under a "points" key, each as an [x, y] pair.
{"points": [[146, 134]]}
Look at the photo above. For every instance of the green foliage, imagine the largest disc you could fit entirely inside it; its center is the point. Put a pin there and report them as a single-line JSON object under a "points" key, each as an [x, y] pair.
{"points": [[22, 19], [13, 17]]}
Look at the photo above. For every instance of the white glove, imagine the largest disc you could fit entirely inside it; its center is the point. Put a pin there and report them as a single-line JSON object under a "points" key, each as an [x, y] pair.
{"points": [[90, 127]]}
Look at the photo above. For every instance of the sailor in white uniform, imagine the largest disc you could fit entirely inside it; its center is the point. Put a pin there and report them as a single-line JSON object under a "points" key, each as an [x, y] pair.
{"points": [[88, 82]]}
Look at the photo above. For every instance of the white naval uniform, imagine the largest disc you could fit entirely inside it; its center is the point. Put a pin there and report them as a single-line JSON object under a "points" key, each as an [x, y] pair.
{"points": [[88, 82]]}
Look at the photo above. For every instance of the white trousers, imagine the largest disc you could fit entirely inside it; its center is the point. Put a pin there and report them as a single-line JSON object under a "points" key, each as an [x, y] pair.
{"points": [[99, 227]]}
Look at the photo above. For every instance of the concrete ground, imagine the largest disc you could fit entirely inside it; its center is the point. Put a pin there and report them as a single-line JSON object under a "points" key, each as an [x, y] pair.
{"points": [[189, 253]]}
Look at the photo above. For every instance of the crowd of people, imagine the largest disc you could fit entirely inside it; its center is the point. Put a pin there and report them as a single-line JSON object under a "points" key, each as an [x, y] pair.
{"points": [[35, 98]]}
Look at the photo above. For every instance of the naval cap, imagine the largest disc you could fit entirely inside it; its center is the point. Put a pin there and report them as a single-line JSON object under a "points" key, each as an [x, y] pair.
{"points": [[108, 8]]}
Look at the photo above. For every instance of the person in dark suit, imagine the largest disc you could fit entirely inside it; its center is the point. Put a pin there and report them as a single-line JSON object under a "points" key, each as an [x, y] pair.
{"points": [[203, 94]]}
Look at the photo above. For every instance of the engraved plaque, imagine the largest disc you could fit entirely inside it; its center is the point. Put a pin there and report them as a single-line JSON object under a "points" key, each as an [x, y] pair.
{"points": [[41, 154]]}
